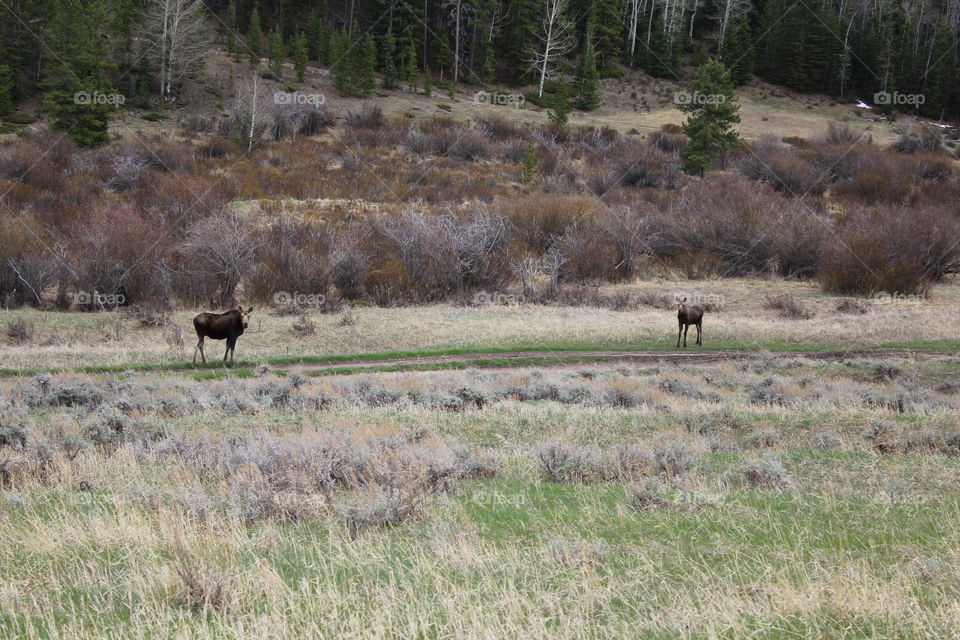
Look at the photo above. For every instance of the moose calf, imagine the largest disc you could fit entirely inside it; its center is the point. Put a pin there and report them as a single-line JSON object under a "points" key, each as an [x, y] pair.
{"points": [[686, 316], [220, 326]]}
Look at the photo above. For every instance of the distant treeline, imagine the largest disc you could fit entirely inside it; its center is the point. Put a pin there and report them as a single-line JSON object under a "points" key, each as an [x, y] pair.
{"points": [[900, 55]]}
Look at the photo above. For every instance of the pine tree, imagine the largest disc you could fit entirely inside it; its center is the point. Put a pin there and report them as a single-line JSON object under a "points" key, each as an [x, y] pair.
{"points": [[604, 25], [6, 90], [713, 112], [427, 82], [340, 65], [941, 87], [528, 164], [275, 52], [366, 64], [75, 76], [255, 38], [314, 36], [559, 105], [300, 55], [390, 80], [737, 53], [588, 79], [410, 64], [326, 38], [231, 27]]}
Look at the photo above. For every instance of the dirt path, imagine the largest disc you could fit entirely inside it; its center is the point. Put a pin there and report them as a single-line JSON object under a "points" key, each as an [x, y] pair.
{"points": [[506, 359], [491, 360]]}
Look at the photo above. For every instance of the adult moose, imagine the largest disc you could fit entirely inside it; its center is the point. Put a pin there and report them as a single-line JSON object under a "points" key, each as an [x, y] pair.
{"points": [[689, 315], [220, 326]]}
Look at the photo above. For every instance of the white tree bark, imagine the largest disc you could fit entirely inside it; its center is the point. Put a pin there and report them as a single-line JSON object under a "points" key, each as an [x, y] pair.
{"points": [[556, 37], [175, 32]]}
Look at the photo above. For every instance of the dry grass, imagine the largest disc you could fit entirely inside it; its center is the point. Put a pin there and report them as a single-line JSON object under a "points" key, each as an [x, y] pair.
{"points": [[76, 339], [206, 531]]}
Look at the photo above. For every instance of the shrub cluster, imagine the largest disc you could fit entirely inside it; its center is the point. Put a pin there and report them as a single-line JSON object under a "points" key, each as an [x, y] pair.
{"points": [[432, 209]]}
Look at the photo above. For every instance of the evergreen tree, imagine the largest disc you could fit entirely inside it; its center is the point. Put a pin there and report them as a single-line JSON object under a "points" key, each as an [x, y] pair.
{"points": [[559, 105], [390, 80], [737, 53], [588, 79], [275, 52], [325, 40], [255, 37], [604, 25], [231, 27], [528, 164], [410, 64], [75, 77], [713, 112], [300, 55], [339, 64], [6, 90], [315, 36], [366, 64], [941, 84], [427, 82]]}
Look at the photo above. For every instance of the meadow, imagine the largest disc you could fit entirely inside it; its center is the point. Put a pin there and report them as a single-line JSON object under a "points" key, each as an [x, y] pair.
{"points": [[771, 496]]}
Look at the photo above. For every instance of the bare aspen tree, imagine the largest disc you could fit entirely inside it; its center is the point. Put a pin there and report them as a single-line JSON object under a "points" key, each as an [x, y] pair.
{"points": [[460, 15], [556, 36], [175, 33]]}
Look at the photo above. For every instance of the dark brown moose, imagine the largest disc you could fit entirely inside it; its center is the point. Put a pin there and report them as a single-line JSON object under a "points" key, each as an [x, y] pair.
{"points": [[689, 315], [221, 326]]}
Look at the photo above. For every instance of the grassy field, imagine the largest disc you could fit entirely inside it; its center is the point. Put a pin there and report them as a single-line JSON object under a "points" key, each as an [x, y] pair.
{"points": [[771, 497], [743, 320]]}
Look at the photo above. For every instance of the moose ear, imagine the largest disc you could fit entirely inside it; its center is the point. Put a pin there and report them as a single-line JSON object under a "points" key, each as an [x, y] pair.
{"points": [[250, 310]]}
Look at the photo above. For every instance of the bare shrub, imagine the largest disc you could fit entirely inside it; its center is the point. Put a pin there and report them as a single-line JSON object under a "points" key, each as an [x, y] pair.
{"points": [[852, 306], [784, 169], [291, 257], [788, 307], [751, 229], [886, 437], [303, 327], [498, 128], [766, 472], [668, 140], [889, 250], [202, 587], [648, 495], [922, 137], [842, 134], [366, 117], [19, 331], [378, 507], [216, 254], [298, 119], [117, 251], [149, 314]]}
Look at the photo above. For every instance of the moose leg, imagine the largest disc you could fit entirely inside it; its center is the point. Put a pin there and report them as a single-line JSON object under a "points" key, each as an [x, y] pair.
{"points": [[200, 347], [686, 329], [679, 331], [699, 334], [230, 344]]}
